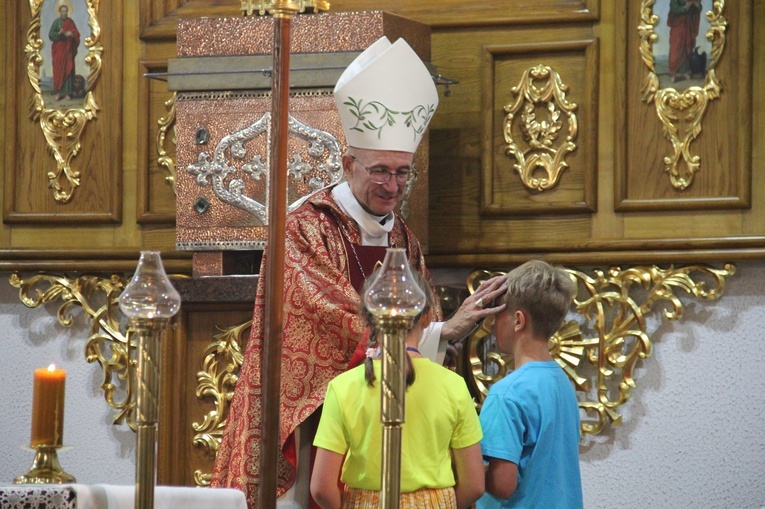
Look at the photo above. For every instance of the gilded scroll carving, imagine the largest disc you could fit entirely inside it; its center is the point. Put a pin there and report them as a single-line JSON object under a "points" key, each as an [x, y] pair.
{"points": [[216, 382], [167, 125], [599, 348], [681, 112], [261, 7], [107, 344], [63, 113], [114, 350], [544, 115]]}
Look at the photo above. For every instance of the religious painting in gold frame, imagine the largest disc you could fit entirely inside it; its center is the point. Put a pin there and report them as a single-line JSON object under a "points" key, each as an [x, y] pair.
{"points": [[63, 52], [681, 79]]}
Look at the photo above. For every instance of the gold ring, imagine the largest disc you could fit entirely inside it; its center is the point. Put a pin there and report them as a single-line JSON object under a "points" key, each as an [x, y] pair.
{"points": [[479, 303]]}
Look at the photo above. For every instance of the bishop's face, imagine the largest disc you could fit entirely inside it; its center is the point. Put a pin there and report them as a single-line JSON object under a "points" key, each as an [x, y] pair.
{"points": [[377, 199]]}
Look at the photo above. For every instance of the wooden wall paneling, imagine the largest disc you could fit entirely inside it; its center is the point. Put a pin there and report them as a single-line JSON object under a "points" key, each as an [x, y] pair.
{"points": [[576, 63], [159, 237], [607, 224], [85, 259], [98, 198], [159, 18], [180, 407], [173, 437], [154, 194], [724, 145], [754, 218], [5, 109], [153, 12], [459, 234], [458, 13]]}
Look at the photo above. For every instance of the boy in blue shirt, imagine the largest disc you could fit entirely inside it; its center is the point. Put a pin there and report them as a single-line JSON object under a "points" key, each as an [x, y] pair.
{"points": [[530, 418]]}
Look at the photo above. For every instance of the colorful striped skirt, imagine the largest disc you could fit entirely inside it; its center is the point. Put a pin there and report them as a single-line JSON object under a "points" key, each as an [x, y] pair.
{"points": [[424, 498]]}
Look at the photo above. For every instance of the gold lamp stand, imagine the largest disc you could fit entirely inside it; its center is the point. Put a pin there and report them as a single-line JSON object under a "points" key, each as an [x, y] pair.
{"points": [[392, 405], [148, 331]]}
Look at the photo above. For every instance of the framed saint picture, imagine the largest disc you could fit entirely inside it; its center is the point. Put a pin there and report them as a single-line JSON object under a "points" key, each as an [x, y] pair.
{"points": [[682, 53], [64, 26]]}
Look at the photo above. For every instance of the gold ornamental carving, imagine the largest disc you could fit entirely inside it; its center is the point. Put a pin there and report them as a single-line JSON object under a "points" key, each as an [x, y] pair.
{"points": [[262, 7], [216, 381], [108, 345], [167, 126], [681, 111], [600, 346], [63, 116], [547, 126]]}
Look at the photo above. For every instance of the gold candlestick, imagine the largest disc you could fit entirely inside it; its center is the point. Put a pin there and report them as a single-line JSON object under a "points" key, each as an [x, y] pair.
{"points": [[45, 468]]}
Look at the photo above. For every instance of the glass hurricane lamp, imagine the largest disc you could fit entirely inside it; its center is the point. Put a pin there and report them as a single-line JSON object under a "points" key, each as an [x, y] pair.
{"points": [[394, 292], [150, 295]]}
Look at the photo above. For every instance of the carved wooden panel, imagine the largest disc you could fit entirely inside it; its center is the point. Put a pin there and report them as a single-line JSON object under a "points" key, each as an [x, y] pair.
{"points": [[181, 450], [540, 128], [461, 230], [159, 18], [98, 197], [724, 144], [156, 147], [451, 13]]}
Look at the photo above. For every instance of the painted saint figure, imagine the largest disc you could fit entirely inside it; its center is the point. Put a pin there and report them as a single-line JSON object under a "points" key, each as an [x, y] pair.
{"points": [[683, 21], [66, 39]]}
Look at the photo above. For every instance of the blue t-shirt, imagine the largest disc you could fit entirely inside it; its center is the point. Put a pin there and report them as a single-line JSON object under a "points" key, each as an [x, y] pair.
{"points": [[531, 418]]}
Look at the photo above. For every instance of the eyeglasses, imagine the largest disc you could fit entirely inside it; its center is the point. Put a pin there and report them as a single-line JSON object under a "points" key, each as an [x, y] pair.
{"points": [[382, 175]]}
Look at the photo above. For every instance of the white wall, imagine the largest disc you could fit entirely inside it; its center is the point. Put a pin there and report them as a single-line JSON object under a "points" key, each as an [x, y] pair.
{"points": [[693, 433]]}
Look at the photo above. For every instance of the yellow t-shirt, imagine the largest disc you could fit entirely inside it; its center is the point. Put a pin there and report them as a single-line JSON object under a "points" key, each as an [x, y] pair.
{"points": [[439, 415]]}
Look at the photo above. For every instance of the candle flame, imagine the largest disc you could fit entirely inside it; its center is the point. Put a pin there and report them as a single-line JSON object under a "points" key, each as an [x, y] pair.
{"points": [[52, 367]]}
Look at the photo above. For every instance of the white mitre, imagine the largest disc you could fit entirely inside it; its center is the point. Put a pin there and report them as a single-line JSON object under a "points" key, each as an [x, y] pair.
{"points": [[386, 98]]}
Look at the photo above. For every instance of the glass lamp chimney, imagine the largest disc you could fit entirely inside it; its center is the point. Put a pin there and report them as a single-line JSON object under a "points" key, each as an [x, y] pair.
{"points": [[394, 292], [150, 294]]}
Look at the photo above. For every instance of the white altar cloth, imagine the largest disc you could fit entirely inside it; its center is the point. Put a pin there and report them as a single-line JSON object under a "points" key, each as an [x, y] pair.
{"points": [[105, 496]]}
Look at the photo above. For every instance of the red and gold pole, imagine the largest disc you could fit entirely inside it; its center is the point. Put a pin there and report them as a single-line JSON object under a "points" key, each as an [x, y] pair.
{"points": [[282, 12]]}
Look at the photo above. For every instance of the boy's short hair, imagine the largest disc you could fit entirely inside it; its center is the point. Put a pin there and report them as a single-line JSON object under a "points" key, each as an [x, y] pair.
{"points": [[543, 291]]}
